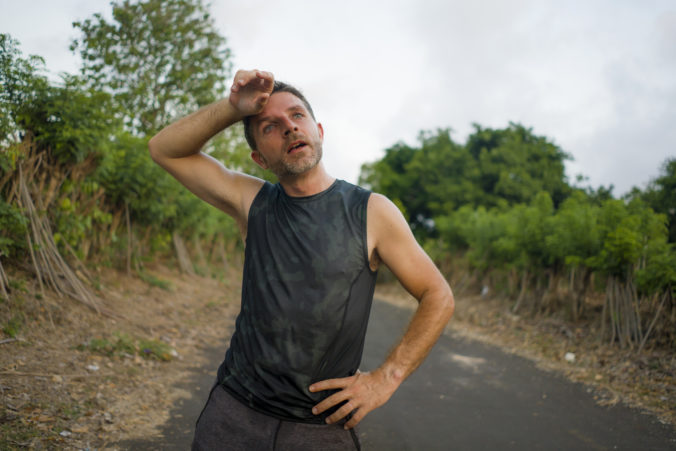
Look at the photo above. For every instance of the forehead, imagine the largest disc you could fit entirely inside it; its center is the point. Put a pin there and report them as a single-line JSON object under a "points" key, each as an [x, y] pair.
{"points": [[279, 103]]}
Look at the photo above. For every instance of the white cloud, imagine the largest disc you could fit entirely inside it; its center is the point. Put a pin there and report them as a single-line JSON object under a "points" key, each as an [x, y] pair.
{"points": [[597, 78]]}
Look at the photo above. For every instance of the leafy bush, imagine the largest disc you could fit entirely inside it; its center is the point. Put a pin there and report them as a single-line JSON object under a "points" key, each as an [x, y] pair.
{"points": [[12, 230]]}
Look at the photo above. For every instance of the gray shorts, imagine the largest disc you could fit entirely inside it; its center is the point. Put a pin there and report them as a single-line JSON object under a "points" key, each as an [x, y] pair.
{"points": [[227, 424]]}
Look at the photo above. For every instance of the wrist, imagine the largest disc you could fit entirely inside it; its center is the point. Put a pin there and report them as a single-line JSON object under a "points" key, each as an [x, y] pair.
{"points": [[392, 375], [233, 112], [227, 113]]}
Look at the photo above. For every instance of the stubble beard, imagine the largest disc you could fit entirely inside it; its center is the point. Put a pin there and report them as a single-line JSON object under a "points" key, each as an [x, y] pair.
{"points": [[285, 168]]}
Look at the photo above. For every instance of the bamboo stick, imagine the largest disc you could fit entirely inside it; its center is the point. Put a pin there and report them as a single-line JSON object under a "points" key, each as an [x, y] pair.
{"points": [[652, 323], [611, 310], [126, 212], [4, 282], [49, 263]]}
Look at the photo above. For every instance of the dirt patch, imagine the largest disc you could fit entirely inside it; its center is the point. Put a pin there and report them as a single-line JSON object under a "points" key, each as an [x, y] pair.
{"points": [[75, 379], [646, 381]]}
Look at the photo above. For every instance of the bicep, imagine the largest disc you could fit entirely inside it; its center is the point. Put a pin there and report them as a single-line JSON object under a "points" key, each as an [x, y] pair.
{"points": [[397, 248], [230, 191]]}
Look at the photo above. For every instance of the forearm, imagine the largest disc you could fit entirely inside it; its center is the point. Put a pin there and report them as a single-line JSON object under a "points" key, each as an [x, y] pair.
{"points": [[188, 135], [435, 308]]}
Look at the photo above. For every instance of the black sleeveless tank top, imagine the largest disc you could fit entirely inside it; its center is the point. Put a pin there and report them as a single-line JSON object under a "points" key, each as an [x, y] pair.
{"points": [[306, 296]]}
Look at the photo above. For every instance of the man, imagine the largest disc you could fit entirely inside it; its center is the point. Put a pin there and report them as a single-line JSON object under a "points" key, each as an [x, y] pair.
{"points": [[313, 245]]}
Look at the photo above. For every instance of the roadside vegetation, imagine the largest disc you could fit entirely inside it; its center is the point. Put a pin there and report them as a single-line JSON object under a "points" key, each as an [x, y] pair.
{"points": [[499, 210]]}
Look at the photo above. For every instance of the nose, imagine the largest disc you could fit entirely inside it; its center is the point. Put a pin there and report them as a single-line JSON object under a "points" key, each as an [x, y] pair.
{"points": [[289, 126]]}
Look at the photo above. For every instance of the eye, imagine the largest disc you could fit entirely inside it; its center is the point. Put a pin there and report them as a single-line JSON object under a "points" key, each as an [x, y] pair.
{"points": [[297, 115], [268, 128]]}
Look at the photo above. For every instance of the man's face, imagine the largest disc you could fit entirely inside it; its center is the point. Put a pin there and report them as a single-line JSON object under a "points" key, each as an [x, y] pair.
{"points": [[288, 140]]}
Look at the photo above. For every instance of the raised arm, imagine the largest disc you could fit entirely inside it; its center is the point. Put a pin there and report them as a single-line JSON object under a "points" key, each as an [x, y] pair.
{"points": [[177, 147], [391, 241]]}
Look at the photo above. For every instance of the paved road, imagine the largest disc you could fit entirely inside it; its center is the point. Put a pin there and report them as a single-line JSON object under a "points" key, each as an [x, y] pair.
{"points": [[466, 396]]}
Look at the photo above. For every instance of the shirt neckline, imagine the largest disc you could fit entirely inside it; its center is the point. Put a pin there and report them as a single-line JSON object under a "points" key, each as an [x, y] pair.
{"points": [[310, 197]]}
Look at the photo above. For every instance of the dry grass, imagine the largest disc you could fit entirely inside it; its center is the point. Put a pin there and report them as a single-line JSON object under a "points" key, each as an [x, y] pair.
{"points": [[50, 387]]}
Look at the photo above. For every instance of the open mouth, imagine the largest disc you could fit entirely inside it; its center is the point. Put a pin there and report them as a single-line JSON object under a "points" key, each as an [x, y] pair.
{"points": [[295, 146]]}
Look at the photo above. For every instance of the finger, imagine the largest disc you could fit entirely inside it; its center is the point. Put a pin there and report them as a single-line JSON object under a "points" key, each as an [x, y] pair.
{"points": [[359, 415], [329, 402], [239, 75], [264, 75], [263, 99], [242, 78], [266, 80], [341, 413], [238, 83], [330, 384]]}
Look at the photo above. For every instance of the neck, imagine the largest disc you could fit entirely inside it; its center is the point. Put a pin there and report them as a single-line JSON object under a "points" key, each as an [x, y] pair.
{"points": [[309, 183]]}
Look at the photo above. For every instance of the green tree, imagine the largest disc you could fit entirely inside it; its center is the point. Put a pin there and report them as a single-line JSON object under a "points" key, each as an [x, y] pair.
{"points": [[495, 168], [446, 172], [53, 134], [158, 59], [515, 165], [661, 195], [427, 181], [389, 176], [22, 84], [66, 120], [574, 240]]}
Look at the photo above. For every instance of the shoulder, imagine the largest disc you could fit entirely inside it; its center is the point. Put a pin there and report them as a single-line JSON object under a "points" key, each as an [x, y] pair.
{"points": [[349, 196], [266, 194], [382, 208], [385, 221], [347, 188]]}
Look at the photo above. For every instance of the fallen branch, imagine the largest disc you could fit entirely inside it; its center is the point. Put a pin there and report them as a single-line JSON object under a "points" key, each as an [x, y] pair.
{"points": [[21, 374]]}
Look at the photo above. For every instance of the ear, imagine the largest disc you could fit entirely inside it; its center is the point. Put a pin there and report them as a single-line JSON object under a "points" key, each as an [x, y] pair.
{"points": [[259, 159], [321, 131]]}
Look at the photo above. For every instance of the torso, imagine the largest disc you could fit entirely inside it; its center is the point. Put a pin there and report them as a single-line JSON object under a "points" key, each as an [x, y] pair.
{"points": [[306, 296]]}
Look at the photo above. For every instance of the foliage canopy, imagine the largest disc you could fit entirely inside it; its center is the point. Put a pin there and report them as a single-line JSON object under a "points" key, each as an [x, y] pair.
{"points": [[159, 59]]}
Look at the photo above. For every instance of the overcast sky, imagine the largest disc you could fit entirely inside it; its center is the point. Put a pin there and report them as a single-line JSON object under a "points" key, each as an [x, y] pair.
{"points": [[598, 78]]}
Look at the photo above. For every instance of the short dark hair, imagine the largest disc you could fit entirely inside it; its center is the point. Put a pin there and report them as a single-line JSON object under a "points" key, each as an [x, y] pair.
{"points": [[279, 86]]}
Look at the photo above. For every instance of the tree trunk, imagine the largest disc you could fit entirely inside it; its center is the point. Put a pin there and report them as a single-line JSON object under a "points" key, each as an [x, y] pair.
{"points": [[128, 221], [524, 284], [182, 255], [200, 254]]}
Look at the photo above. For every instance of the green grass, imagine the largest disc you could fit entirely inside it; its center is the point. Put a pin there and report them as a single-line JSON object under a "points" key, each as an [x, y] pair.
{"points": [[18, 285], [14, 325], [155, 281], [119, 344], [154, 349], [123, 344], [16, 435], [70, 412]]}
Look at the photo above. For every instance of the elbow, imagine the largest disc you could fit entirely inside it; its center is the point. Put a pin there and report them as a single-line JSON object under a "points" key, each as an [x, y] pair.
{"points": [[153, 149], [449, 305], [447, 301], [441, 299]]}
